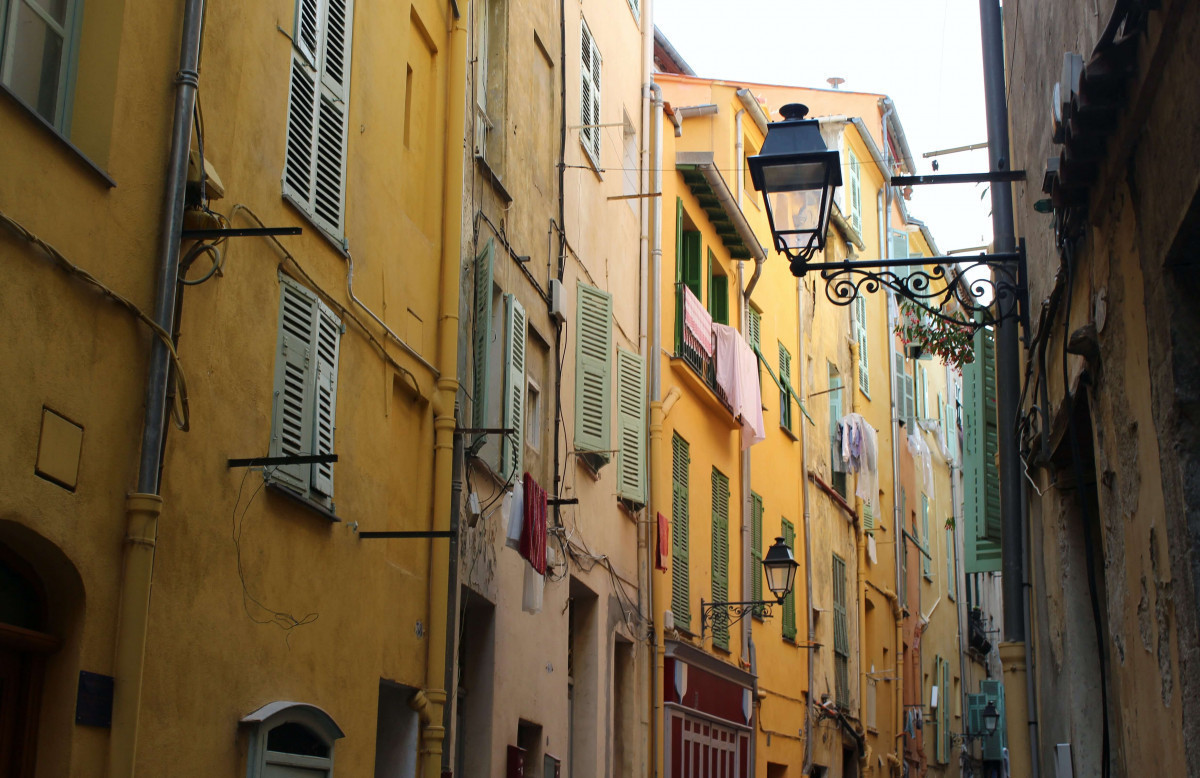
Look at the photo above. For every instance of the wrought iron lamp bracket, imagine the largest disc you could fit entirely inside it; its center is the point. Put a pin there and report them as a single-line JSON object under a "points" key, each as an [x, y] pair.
{"points": [[949, 288], [726, 614]]}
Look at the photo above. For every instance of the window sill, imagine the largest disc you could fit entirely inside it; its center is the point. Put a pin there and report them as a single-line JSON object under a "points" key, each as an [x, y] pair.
{"points": [[788, 431], [340, 245], [493, 178], [70, 147], [591, 161], [296, 497]]}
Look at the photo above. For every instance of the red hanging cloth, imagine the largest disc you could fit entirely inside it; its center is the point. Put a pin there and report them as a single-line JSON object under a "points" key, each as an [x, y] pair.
{"points": [[533, 534]]}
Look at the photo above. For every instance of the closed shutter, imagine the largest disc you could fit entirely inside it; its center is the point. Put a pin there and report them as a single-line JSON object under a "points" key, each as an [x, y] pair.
{"points": [[631, 427], [860, 329], [589, 93], [904, 391], [900, 251], [314, 175], [926, 562], [754, 336], [868, 517], [841, 635], [693, 249], [855, 189], [680, 605], [788, 530], [944, 712], [951, 552], [593, 363], [482, 334], [756, 550], [981, 482], [295, 364], [512, 450], [902, 539], [785, 381], [720, 553], [328, 337]]}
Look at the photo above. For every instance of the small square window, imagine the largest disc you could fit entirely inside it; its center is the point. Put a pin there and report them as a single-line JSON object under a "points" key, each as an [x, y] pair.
{"points": [[533, 415]]}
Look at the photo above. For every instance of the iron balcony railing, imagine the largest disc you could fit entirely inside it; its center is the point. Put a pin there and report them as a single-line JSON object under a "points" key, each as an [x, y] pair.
{"points": [[689, 351]]}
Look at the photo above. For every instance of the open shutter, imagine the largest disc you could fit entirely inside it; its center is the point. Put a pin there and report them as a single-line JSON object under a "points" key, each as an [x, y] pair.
{"points": [[692, 263], [788, 530], [720, 552], [951, 552], [514, 389], [631, 426], [854, 181], [301, 123], [295, 363], [306, 33], [981, 483], [902, 539], [868, 517], [785, 382], [841, 636], [589, 93], [330, 182], [756, 549], [481, 337], [860, 330], [754, 336], [944, 712], [835, 419], [596, 101], [593, 363], [680, 605], [328, 337], [926, 562]]}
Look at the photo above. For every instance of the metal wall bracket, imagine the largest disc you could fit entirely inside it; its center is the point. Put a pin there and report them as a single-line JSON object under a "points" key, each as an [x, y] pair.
{"points": [[239, 232], [726, 614], [303, 459]]}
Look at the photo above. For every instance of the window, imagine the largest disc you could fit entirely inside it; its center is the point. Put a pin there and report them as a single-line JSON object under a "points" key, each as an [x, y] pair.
{"points": [[314, 171], [634, 6], [837, 466], [841, 635], [864, 346], [718, 291], [680, 459], [290, 739], [491, 32], [589, 95], [788, 531], [593, 373], [720, 554], [922, 392], [854, 189], [756, 551], [926, 562], [306, 368], [688, 267], [903, 391], [631, 425], [785, 383], [533, 416], [37, 55]]}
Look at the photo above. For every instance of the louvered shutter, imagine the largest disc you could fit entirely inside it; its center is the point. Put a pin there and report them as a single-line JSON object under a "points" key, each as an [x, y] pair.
{"points": [[756, 549], [788, 530], [680, 605], [944, 712], [868, 517], [900, 251], [301, 141], [295, 363], [754, 335], [860, 329], [991, 440], [835, 418], [633, 6], [514, 389], [785, 381], [855, 187], [902, 539], [482, 334], [981, 484], [720, 552], [589, 93], [631, 426], [926, 562], [841, 636], [951, 552], [678, 275], [593, 363], [328, 337], [692, 263], [306, 33]]}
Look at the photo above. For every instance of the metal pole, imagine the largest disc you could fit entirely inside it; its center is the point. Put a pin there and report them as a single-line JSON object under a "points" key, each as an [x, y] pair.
{"points": [[1008, 377]]}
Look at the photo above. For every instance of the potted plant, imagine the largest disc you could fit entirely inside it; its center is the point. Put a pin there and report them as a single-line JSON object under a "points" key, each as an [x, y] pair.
{"points": [[922, 333]]}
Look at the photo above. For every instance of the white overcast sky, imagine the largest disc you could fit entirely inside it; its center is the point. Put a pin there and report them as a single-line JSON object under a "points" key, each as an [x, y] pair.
{"points": [[924, 54]]}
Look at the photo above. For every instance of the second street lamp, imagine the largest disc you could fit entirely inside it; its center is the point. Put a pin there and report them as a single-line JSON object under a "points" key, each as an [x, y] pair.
{"points": [[779, 568]]}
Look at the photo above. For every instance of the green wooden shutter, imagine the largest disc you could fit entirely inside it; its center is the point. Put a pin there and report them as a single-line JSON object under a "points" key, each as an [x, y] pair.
{"points": [[678, 275], [327, 341], [482, 334], [868, 517], [295, 389], [593, 365], [513, 447], [754, 336], [864, 348], [631, 427], [981, 480], [838, 477], [756, 549], [718, 298], [693, 265], [926, 562], [951, 552], [902, 539], [788, 530], [680, 604], [785, 381], [841, 634], [720, 553]]}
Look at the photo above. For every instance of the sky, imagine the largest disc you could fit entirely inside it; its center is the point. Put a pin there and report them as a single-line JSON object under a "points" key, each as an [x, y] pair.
{"points": [[924, 54]]}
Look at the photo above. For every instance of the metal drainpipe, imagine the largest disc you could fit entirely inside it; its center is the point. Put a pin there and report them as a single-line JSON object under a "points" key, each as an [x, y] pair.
{"points": [[144, 507], [804, 499], [654, 366], [648, 527]]}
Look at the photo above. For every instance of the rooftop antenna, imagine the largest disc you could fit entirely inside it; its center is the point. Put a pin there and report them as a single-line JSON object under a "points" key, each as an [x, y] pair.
{"points": [[835, 82]]}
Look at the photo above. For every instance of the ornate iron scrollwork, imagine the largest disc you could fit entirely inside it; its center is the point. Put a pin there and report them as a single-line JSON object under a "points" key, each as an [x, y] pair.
{"points": [[718, 615]]}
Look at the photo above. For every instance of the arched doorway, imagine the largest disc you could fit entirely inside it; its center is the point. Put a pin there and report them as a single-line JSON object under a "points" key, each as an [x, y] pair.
{"points": [[24, 644]]}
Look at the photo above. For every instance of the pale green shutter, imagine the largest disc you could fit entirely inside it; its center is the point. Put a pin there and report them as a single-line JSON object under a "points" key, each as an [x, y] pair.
{"points": [[513, 448], [946, 702], [720, 553], [788, 530], [482, 334], [756, 549], [925, 560], [295, 385], [868, 516], [328, 337], [981, 482], [680, 605], [785, 381], [841, 634], [754, 336], [593, 365], [860, 329], [837, 476], [951, 552], [631, 426], [902, 539]]}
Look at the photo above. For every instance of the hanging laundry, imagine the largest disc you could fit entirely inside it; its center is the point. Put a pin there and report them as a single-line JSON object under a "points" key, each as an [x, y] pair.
{"points": [[872, 553], [737, 375], [533, 534], [664, 543], [860, 452], [920, 452], [534, 588], [513, 506], [697, 324]]}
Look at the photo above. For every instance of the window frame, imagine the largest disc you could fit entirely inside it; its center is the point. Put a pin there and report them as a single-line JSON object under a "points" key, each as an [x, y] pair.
{"points": [[274, 715], [69, 31], [590, 82]]}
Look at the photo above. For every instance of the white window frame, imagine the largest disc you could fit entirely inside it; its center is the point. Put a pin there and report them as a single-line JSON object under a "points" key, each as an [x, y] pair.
{"points": [[275, 714], [68, 31], [589, 109], [854, 189]]}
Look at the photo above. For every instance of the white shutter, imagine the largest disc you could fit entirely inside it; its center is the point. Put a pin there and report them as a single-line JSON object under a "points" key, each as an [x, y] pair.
{"points": [[589, 93], [511, 460], [860, 329], [298, 159], [328, 337], [307, 32], [596, 101], [631, 425], [292, 417], [593, 365]]}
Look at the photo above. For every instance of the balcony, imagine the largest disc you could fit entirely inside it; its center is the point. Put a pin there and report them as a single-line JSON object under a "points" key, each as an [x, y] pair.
{"points": [[694, 366]]}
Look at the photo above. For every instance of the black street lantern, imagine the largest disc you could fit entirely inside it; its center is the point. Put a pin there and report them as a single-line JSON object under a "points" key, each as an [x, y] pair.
{"points": [[779, 567], [798, 175], [991, 719]]}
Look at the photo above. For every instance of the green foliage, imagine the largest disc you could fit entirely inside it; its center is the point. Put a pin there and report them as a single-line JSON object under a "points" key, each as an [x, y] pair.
{"points": [[952, 343]]}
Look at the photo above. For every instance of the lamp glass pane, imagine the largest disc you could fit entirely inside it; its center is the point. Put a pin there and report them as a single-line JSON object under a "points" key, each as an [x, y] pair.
{"points": [[796, 211]]}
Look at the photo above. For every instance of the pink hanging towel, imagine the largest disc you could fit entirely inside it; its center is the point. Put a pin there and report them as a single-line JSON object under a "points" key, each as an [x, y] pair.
{"points": [[664, 543], [697, 324], [533, 534]]}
